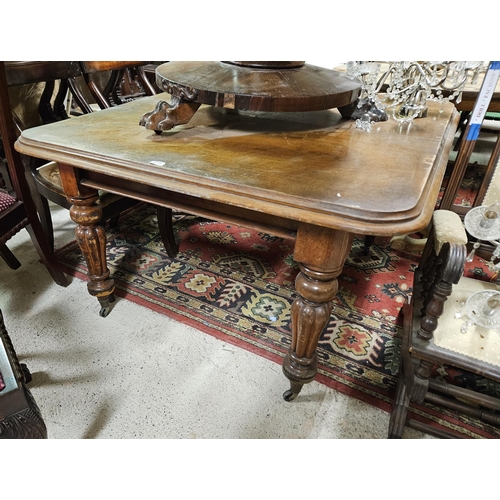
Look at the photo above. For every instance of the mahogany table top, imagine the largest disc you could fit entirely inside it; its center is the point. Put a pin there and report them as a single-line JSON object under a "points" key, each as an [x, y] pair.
{"points": [[313, 167]]}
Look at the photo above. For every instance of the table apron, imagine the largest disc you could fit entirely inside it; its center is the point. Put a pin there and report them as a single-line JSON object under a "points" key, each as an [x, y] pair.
{"points": [[278, 226], [274, 223]]}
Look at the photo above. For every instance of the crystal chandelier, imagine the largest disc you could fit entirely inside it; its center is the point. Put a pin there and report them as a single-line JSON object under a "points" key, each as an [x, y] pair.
{"points": [[401, 89]]}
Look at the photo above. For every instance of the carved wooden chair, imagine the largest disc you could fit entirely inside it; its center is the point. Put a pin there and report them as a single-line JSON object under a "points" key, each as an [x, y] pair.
{"points": [[434, 336], [17, 209], [20, 416], [112, 83], [37, 92]]}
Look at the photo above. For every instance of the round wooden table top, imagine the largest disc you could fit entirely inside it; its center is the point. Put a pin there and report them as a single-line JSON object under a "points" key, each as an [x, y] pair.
{"points": [[253, 86]]}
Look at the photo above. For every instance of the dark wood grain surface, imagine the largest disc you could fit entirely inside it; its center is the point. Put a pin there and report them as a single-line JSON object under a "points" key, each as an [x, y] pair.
{"points": [[314, 167], [300, 88]]}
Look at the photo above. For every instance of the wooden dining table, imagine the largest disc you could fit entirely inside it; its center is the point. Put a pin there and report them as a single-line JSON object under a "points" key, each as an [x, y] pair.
{"points": [[313, 176]]}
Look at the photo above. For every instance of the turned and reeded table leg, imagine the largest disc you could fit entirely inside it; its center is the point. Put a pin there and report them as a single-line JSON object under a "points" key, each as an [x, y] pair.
{"points": [[321, 254], [91, 237]]}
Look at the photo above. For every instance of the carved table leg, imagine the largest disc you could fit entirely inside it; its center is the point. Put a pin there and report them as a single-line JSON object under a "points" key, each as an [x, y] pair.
{"points": [[321, 254], [92, 241], [91, 237]]}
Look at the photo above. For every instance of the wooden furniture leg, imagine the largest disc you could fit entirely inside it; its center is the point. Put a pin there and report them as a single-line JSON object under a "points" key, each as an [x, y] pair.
{"points": [[406, 377], [321, 254], [400, 408], [91, 237], [20, 417], [166, 225], [9, 258]]}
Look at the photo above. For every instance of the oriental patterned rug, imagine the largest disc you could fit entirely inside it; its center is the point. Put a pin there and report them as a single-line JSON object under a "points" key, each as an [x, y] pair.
{"points": [[238, 285]]}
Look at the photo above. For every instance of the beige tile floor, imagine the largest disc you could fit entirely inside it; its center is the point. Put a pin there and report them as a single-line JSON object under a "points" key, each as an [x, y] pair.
{"points": [[139, 374]]}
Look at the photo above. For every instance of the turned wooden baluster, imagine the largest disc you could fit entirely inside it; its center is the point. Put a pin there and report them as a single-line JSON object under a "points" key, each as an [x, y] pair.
{"points": [[91, 237], [434, 309], [423, 372], [446, 269], [321, 254], [435, 292]]}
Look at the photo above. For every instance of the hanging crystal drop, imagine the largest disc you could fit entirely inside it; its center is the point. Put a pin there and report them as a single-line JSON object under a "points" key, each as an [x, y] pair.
{"points": [[364, 123], [458, 314], [470, 257], [465, 326]]}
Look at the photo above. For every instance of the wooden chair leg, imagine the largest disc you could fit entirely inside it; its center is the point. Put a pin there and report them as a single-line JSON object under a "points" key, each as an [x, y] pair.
{"points": [[402, 398], [400, 406], [9, 257], [113, 221], [46, 221], [46, 254], [165, 222], [40, 201], [43, 210], [368, 244]]}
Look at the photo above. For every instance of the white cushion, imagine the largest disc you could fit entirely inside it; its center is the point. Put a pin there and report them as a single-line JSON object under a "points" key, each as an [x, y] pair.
{"points": [[448, 227]]}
